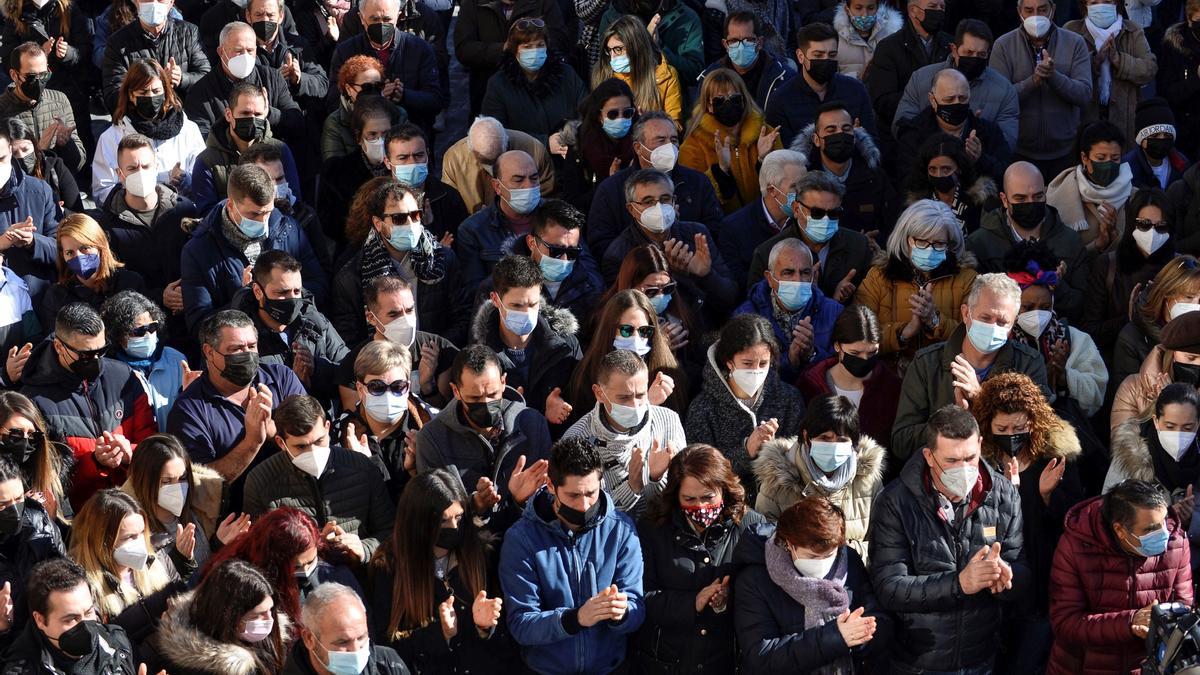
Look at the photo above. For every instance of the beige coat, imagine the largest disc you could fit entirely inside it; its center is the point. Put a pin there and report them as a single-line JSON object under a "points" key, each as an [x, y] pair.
{"points": [[1136, 395], [1136, 66], [461, 171]]}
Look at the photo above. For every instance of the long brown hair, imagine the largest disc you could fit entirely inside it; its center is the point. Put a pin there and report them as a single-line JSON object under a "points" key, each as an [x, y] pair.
{"points": [[140, 74], [643, 56], [226, 593], [711, 469], [145, 472], [722, 81], [64, 19], [1014, 393], [641, 262], [1180, 276], [46, 476]]}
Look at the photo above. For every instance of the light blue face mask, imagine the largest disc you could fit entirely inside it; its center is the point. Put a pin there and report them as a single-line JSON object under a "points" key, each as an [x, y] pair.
{"points": [[742, 54], [830, 456], [386, 407], [794, 295], [1103, 15], [405, 237], [617, 128], [660, 302], [1154, 543], [142, 347], [521, 323], [555, 269], [986, 337], [348, 663], [926, 259], [788, 205], [253, 229], [412, 175], [524, 200], [620, 64], [532, 59], [821, 230]]}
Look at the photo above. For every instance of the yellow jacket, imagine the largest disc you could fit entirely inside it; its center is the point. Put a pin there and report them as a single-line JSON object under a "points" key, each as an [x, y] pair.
{"points": [[698, 151], [888, 298], [668, 89]]}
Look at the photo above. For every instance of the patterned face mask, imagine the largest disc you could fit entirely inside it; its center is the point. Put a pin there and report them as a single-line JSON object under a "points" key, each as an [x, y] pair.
{"points": [[704, 514]]}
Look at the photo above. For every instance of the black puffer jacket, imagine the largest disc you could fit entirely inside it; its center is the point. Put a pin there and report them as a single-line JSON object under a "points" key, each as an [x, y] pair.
{"points": [[31, 654], [37, 540], [180, 41], [677, 563], [916, 557]]}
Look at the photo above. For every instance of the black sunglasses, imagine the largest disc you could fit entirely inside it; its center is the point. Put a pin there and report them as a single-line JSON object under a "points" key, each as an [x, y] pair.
{"points": [[370, 88], [141, 331], [85, 354], [379, 387], [654, 291], [571, 252], [816, 212], [627, 113], [625, 330], [401, 218], [1145, 225], [13, 435]]}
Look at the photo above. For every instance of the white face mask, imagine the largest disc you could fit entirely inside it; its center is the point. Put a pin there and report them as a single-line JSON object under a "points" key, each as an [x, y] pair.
{"points": [[1037, 26], [1149, 241], [960, 480], [1176, 443], [132, 554], [374, 150], [402, 330], [628, 416], [664, 157], [749, 381], [658, 218], [815, 568], [173, 497], [312, 462], [141, 183], [241, 65], [1181, 308], [1035, 321]]}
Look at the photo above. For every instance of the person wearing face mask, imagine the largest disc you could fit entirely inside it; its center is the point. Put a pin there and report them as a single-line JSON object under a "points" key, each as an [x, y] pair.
{"points": [[138, 330], [562, 625], [173, 42], [804, 600], [407, 157], [497, 444], [727, 139], [943, 171], [282, 49], [1090, 197], [800, 315], [1178, 54], [469, 165], [102, 440], [34, 102], [360, 74], [1156, 161], [435, 595], [88, 271], [215, 16], [335, 639], [570, 275], [636, 438], [968, 518], [1176, 358], [289, 201], [754, 51], [689, 536], [229, 625], [794, 105], [534, 340], [923, 40], [28, 535], [641, 62], [950, 372], [480, 239], [1121, 554], [24, 442], [1052, 71], [331, 484], [1173, 292], [45, 165], [63, 627], [861, 26], [342, 177], [27, 238]]}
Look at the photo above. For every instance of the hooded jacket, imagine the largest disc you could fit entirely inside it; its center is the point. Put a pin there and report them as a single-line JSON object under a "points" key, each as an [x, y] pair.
{"points": [[1096, 587], [916, 557], [210, 172], [1143, 173], [854, 52], [153, 251], [868, 200], [548, 572], [179, 40], [77, 413], [821, 311], [785, 477], [183, 648], [739, 186], [1130, 454]]}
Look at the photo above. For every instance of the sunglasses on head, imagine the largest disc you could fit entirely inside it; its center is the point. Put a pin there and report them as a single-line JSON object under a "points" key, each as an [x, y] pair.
{"points": [[627, 113], [654, 291], [379, 387], [402, 217], [13, 435], [571, 252], [816, 212], [526, 23], [645, 332], [142, 331]]}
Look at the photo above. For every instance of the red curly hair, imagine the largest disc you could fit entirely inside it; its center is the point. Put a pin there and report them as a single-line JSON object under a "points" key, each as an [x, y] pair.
{"points": [[1014, 393], [355, 66]]}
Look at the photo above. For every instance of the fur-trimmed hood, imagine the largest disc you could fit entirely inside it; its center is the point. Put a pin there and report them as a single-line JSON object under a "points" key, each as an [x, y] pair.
{"points": [[558, 320], [887, 21], [1176, 38], [1063, 444], [978, 194], [1130, 452], [183, 645], [782, 475], [865, 147]]}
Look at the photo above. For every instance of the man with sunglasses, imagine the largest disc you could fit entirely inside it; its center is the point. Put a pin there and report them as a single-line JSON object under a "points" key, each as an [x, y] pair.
{"points": [[46, 110], [93, 404], [484, 238], [694, 194], [342, 490], [571, 277]]}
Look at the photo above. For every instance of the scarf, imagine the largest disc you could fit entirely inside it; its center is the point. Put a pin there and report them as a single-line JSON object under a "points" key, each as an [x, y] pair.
{"points": [[1056, 330], [823, 599], [428, 260], [616, 451], [1100, 36], [829, 485], [1070, 196], [160, 128], [236, 237]]}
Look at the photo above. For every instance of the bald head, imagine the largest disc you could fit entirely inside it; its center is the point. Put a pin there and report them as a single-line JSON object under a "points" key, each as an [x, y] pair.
{"points": [[381, 9], [950, 82], [514, 163], [1023, 179]]}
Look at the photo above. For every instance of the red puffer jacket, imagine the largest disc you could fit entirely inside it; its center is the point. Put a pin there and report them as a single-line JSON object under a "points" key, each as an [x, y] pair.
{"points": [[1095, 588]]}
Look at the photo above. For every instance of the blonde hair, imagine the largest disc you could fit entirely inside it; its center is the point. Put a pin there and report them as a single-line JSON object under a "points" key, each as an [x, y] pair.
{"points": [[728, 82], [643, 63], [1180, 276], [85, 230]]}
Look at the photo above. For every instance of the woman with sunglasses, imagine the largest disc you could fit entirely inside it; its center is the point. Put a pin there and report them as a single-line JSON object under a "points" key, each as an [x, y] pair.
{"points": [[23, 440], [360, 74], [598, 144], [727, 137], [1176, 358], [632, 56], [28, 535], [88, 270], [943, 172], [645, 268], [136, 327]]}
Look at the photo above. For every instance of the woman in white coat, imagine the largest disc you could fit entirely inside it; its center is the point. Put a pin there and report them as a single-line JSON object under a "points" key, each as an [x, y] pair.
{"points": [[861, 25]]}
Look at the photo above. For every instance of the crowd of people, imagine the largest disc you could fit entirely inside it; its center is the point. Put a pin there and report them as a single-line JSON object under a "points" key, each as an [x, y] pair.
{"points": [[716, 336]]}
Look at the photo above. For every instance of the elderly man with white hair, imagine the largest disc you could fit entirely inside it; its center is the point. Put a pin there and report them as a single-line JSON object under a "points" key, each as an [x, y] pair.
{"points": [[237, 61], [950, 372], [336, 639], [757, 222], [470, 164]]}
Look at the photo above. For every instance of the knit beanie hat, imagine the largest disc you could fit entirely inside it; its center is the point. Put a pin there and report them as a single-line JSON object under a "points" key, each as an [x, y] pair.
{"points": [[1154, 116]]}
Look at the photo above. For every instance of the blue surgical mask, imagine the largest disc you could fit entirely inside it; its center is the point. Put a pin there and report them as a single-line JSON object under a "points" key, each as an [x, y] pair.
{"points": [[253, 229], [284, 192], [1102, 16], [821, 230], [926, 259], [987, 337], [387, 407], [634, 343], [405, 237], [617, 128], [84, 265], [660, 302], [620, 64], [863, 23], [348, 663], [532, 59], [142, 347], [830, 456], [412, 175], [741, 54], [794, 295], [555, 269], [521, 323], [1154, 543], [524, 200]]}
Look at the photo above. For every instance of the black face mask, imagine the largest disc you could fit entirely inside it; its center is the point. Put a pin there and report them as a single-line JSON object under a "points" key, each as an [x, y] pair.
{"points": [[80, 640], [1187, 373], [944, 184], [264, 30], [34, 86], [449, 538], [858, 366], [1104, 173], [283, 311], [10, 519], [485, 414], [381, 33], [148, 107], [1158, 148], [953, 114], [729, 113], [934, 20], [1011, 444], [578, 518], [1028, 214], [838, 147], [822, 70], [19, 450], [87, 369], [971, 67], [240, 368], [250, 129]]}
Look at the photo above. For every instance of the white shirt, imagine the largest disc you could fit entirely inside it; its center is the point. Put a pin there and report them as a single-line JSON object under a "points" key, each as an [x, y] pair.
{"points": [[853, 395], [182, 149]]}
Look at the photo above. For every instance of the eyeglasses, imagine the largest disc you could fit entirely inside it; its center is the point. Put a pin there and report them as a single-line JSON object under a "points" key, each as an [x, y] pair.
{"points": [[730, 99], [745, 42], [666, 200], [1145, 225], [141, 331], [929, 243], [626, 113], [816, 212], [85, 354], [35, 437], [526, 23], [379, 387], [402, 217], [645, 332], [571, 252], [654, 291]]}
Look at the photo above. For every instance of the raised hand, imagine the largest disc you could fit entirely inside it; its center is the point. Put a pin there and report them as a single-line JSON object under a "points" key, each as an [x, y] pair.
{"points": [[17, 358], [485, 496], [766, 140], [556, 146], [302, 363], [427, 370], [6, 607], [185, 540], [175, 175], [290, 70], [802, 341], [258, 414], [761, 434], [175, 71], [663, 385], [1139, 625], [701, 262], [679, 257], [410, 452], [352, 440], [720, 599], [448, 618], [525, 481], [845, 288], [234, 526], [1012, 470], [1185, 507], [486, 611], [658, 459], [173, 296], [965, 379], [189, 375], [637, 464], [856, 629], [1052, 475], [677, 337], [973, 147], [557, 410], [724, 152]]}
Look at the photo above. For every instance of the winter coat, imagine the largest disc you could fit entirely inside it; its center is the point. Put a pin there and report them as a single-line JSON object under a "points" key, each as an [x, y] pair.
{"points": [[483, 27], [39, 115], [411, 60], [549, 572], [210, 173], [1096, 587], [30, 654], [1143, 174], [314, 81], [27, 197], [880, 390], [153, 252], [77, 412], [774, 72], [848, 250], [928, 385], [208, 98], [1131, 457], [1178, 56], [182, 648], [994, 239], [868, 200], [221, 12], [937, 627], [854, 52], [744, 230], [37, 540], [380, 661], [463, 172], [62, 294], [102, 29], [718, 418], [1050, 115], [887, 286], [794, 105], [539, 107], [179, 40], [896, 57], [739, 186], [991, 94], [679, 37], [1113, 277], [1134, 397], [1134, 69], [670, 92], [912, 134], [1185, 222], [72, 74], [785, 477], [181, 149], [979, 198], [211, 268], [1086, 375], [677, 562], [821, 311]]}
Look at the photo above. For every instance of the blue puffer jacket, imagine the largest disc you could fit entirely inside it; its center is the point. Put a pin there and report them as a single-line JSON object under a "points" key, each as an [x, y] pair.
{"points": [[548, 573], [27, 197], [823, 312], [212, 268]]}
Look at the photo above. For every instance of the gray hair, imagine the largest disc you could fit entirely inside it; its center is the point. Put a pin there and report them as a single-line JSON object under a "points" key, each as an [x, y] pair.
{"points": [[121, 310], [487, 133], [231, 27], [321, 597], [996, 282], [923, 219], [642, 177], [774, 165], [640, 126], [210, 328], [819, 181], [279, 4], [789, 244]]}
